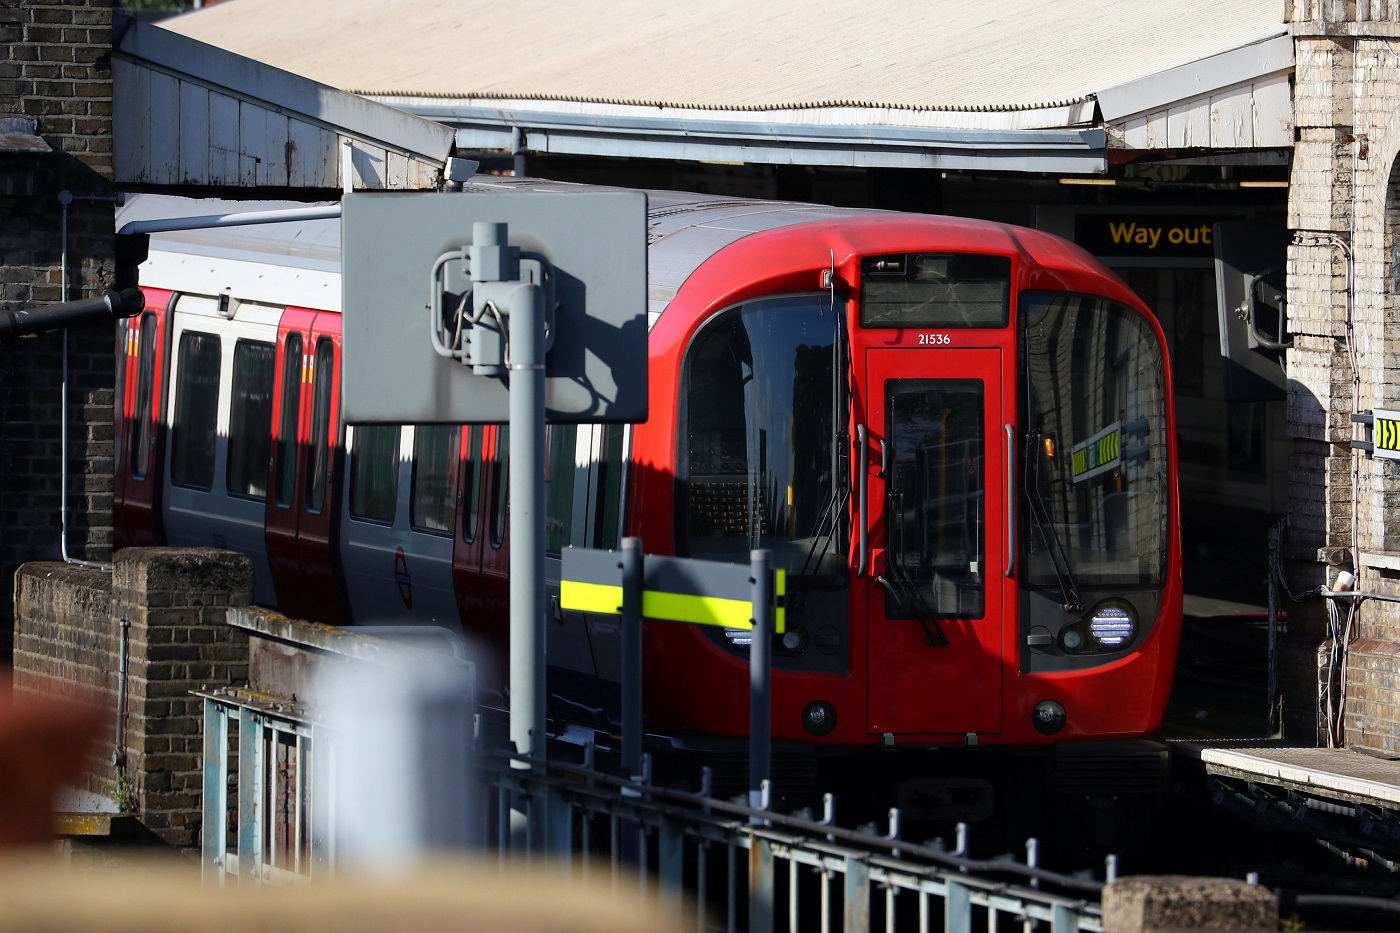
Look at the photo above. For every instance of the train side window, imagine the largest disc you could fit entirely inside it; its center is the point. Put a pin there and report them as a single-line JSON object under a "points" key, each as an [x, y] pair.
{"points": [[196, 411], [318, 470], [287, 427], [250, 418], [143, 433], [374, 473], [559, 486], [500, 472], [472, 494], [607, 521], [432, 497]]}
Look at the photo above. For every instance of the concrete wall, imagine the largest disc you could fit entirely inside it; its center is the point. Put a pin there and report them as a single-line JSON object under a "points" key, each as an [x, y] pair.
{"points": [[55, 69], [68, 632]]}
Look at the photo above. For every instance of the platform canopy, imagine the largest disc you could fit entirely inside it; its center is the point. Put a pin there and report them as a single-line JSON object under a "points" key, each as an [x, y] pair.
{"points": [[1033, 85]]}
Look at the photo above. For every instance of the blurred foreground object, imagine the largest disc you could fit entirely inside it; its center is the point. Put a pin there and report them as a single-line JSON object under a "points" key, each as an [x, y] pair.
{"points": [[40, 894], [45, 740]]}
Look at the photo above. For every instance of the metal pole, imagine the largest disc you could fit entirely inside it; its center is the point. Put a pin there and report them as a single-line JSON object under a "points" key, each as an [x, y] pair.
{"points": [[632, 656], [527, 627], [760, 672]]}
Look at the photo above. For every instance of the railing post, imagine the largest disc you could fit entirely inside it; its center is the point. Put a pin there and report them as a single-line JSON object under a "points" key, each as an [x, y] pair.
{"points": [[322, 805], [670, 865], [214, 821], [250, 798], [957, 908], [857, 912], [761, 885], [1064, 919]]}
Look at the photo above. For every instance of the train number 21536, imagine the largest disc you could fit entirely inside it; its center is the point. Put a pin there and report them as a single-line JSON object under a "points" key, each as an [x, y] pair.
{"points": [[934, 340]]}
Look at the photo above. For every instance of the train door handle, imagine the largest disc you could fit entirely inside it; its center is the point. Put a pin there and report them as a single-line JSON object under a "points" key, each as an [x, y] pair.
{"points": [[1010, 499], [863, 499], [884, 459]]}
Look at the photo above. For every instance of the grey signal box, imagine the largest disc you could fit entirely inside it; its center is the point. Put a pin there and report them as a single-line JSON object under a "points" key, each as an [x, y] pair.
{"points": [[423, 305]]}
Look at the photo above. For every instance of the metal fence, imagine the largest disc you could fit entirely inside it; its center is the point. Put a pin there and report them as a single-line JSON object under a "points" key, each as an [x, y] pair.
{"points": [[716, 863]]}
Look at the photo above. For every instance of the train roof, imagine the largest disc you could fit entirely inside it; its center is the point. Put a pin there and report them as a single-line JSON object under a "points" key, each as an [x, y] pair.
{"points": [[299, 262]]}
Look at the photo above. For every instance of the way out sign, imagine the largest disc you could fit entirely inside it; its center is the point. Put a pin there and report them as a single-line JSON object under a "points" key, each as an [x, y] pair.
{"points": [[673, 589]]}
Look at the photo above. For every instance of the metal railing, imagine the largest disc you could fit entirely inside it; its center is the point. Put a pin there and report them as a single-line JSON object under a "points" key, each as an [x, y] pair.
{"points": [[759, 870], [713, 862]]}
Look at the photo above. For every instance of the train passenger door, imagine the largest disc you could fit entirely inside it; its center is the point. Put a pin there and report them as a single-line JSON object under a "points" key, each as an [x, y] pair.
{"points": [[218, 414], [301, 505], [934, 496], [139, 430]]}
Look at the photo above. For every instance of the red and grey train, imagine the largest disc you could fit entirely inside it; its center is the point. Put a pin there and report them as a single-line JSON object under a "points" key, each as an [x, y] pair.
{"points": [[955, 436]]}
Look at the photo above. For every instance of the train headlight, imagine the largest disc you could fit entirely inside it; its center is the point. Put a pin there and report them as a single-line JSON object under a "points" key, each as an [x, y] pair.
{"points": [[1111, 625], [819, 718], [1048, 717]]}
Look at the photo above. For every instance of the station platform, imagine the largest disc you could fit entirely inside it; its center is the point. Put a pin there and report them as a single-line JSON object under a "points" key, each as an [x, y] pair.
{"points": [[1331, 773]]}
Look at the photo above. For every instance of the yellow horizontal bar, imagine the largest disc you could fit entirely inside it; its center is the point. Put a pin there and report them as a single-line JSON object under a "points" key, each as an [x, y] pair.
{"points": [[670, 607], [590, 597]]}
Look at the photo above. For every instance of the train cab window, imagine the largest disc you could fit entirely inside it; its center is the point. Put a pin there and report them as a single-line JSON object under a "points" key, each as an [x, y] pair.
{"points": [[142, 431], [288, 423], [500, 475], [471, 502], [559, 477], [432, 502], [374, 473], [193, 429], [607, 507], [250, 418], [318, 469], [935, 290], [759, 449]]}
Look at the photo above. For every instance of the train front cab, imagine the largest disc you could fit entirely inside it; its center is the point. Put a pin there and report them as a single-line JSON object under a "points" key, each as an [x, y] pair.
{"points": [[962, 456]]}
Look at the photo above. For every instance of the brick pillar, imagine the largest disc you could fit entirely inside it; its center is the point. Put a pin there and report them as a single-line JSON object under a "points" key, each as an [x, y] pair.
{"points": [[177, 601], [55, 74]]}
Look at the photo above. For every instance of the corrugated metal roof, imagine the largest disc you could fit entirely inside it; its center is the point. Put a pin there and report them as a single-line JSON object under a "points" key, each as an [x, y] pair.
{"points": [[736, 55]]}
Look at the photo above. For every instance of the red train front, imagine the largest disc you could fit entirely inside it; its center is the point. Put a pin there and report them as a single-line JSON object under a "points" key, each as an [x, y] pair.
{"points": [[956, 438]]}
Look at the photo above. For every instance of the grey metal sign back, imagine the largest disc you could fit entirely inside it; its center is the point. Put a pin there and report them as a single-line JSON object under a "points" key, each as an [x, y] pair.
{"points": [[587, 250]]}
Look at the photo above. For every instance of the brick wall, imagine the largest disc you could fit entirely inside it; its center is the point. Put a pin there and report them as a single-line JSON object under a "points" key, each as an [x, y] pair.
{"points": [[55, 70], [1347, 352], [176, 601]]}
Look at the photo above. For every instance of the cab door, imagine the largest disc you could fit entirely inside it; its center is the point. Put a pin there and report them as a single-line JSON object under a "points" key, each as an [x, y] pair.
{"points": [[934, 499]]}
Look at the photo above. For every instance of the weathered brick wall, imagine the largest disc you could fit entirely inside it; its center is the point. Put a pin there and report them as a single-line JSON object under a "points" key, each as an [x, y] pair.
{"points": [[66, 642], [55, 70], [176, 601], [1347, 353]]}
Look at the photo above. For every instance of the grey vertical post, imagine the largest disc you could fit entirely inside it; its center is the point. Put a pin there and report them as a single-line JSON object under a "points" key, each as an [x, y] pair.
{"points": [[632, 656], [526, 373], [632, 831], [760, 671], [214, 822]]}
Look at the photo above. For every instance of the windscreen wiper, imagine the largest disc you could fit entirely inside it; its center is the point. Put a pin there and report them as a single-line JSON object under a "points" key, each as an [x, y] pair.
{"points": [[1042, 521]]}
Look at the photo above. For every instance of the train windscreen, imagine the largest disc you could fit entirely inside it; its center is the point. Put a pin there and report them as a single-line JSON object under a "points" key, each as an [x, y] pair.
{"points": [[1095, 468]]}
